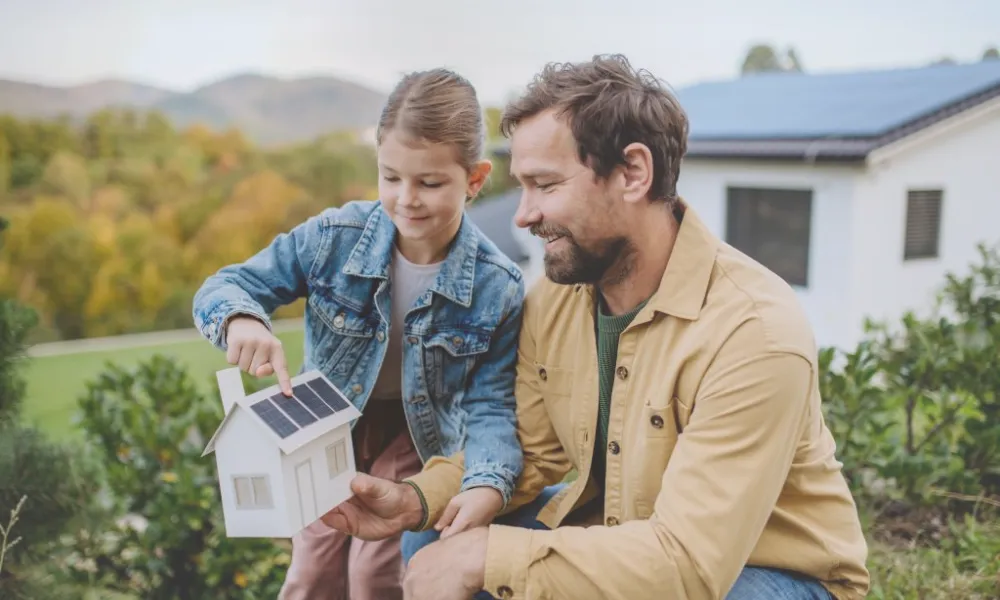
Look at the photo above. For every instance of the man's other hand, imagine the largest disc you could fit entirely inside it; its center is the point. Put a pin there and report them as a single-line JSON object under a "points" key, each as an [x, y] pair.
{"points": [[379, 509]]}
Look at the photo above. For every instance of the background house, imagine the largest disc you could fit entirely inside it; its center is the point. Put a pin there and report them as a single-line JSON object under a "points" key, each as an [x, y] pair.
{"points": [[860, 189]]}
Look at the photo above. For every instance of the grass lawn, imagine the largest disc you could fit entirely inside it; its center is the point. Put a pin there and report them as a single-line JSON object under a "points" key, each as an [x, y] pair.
{"points": [[55, 382]]}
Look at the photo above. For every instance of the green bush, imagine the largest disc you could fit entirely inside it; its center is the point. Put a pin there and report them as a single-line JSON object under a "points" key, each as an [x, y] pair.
{"points": [[914, 408], [150, 425], [50, 481], [914, 411]]}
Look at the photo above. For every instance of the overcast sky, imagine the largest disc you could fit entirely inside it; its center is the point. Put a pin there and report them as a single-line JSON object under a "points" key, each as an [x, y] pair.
{"points": [[498, 45]]}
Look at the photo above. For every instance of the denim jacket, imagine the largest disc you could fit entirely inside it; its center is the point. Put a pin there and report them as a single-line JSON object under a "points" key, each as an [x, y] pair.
{"points": [[459, 340]]}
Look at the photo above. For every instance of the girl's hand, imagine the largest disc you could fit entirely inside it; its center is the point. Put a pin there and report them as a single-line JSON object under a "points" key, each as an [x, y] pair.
{"points": [[472, 508], [253, 347]]}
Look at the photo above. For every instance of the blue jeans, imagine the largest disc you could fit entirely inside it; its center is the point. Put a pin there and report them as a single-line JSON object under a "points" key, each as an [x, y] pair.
{"points": [[754, 583]]}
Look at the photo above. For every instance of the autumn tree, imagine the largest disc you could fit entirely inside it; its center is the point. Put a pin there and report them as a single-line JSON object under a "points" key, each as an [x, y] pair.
{"points": [[119, 218]]}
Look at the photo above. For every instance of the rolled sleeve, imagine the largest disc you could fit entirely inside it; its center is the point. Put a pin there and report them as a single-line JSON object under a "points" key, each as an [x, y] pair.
{"points": [[507, 558]]}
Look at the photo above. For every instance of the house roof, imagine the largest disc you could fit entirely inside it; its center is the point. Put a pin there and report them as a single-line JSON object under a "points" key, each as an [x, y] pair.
{"points": [[494, 215], [828, 116], [316, 408]]}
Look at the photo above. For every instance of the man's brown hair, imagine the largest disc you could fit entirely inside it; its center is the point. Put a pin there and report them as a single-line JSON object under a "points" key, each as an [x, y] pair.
{"points": [[609, 105]]}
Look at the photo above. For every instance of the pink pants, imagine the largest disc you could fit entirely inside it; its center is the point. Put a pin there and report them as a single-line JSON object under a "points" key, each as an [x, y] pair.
{"points": [[328, 565]]}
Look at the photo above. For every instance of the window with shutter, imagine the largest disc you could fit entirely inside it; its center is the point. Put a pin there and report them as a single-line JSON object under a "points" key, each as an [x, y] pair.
{"points": [[773, 227], [253, 491], [336, 457], [923, 224]]}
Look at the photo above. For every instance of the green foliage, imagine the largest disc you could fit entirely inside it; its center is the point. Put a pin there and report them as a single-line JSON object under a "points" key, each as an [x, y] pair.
{"points": [[16, 322], [149, 425], [54, 477], [914, 409]]}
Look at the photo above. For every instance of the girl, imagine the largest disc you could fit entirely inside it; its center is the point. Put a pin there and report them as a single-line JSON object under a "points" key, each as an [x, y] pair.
{"points": [[410, 311]]}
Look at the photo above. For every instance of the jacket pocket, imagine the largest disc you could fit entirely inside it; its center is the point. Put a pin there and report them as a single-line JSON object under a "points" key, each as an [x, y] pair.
{"points": [[655, 435], [449, 356], [556, 387], [341, 336]]}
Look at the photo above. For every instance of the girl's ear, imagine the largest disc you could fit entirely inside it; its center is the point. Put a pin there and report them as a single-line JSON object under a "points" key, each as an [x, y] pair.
{"points": [[478, 175]]}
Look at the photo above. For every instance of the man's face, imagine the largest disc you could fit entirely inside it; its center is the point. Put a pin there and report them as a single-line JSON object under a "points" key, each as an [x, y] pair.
{"points": [[563, 203]]}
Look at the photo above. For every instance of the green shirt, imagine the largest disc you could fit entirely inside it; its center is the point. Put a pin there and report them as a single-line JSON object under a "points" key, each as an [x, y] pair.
{"points": [[609, 328]]}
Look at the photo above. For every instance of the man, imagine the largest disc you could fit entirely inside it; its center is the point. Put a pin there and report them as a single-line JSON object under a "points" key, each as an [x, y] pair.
{"points": [[675, 373]]}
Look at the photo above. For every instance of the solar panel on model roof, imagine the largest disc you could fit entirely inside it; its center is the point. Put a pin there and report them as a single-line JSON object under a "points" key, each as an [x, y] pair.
{"points": [[311, 401]]}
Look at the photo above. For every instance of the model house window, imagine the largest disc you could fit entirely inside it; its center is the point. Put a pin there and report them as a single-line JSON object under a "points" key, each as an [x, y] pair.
{"points": [[252, 491], [336, 457], [923, 224], [772, 226]]}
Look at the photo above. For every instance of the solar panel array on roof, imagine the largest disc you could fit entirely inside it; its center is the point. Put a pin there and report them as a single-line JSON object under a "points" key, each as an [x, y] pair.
{"points": [[793, 105], [311, 401]]}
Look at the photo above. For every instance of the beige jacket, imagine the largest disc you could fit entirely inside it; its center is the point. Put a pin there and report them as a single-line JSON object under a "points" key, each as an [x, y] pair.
{"points": [[718, 454]]}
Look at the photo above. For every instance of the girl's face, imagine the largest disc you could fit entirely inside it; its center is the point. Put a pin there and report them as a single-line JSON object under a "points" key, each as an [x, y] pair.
{"points": [[423, 188]]}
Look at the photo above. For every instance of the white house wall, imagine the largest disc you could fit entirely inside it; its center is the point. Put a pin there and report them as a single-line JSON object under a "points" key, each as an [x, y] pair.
{"points": [[826, 300], [329, 493], [245, 449], [963, 161]]}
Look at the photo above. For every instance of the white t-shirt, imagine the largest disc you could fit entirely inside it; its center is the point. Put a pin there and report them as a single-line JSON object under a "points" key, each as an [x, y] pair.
{"points": [[408, 281]]}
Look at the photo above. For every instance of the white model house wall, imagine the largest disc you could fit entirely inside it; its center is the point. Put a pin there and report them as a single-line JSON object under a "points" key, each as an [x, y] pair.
{"points": [[327, 491], [250, 453]]}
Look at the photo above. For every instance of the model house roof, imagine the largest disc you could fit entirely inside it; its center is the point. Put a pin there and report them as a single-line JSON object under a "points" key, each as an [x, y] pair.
{"points": [[828, 116], [316, 408]]}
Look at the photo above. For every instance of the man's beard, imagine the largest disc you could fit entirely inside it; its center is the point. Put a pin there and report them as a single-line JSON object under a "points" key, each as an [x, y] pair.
{"points": [[577, 264]]}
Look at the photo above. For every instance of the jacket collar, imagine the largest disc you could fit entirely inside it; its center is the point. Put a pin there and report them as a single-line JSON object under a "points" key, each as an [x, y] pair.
{"points": [[684, 285], [371, 256], [685, 281]]}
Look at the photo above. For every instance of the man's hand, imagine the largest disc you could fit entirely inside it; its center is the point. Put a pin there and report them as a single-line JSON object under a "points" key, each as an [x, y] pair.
{"points": [[379, 509], [472, 508], [452, 569], [253, 347]]}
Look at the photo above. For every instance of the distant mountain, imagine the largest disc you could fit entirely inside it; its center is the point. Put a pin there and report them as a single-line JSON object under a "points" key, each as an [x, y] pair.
{"points": [[267, 109]]}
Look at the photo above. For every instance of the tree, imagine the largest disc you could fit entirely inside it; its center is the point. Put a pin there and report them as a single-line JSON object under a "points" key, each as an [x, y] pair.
{"points": [[50, 480], [52, 257], [991, 53], [763, 58], [4, 165]]}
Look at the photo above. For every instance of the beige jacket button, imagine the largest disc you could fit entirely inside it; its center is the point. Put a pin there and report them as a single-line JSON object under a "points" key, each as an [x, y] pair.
{"points": [[614, 448], [622, 373], [656, 421], [542, 374], [505, 593], [612, 521]]}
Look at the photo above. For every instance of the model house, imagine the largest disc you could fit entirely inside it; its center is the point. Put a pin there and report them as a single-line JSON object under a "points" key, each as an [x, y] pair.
{"points": [[283, 462], [861, 189]]}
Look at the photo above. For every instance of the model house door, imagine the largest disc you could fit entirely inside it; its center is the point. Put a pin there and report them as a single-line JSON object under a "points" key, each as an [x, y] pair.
{"points": [[307, 492]]}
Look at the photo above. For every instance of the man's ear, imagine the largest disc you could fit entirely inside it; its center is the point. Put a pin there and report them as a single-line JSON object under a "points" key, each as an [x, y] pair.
{"points": [[637, 172], [478, 175]]}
